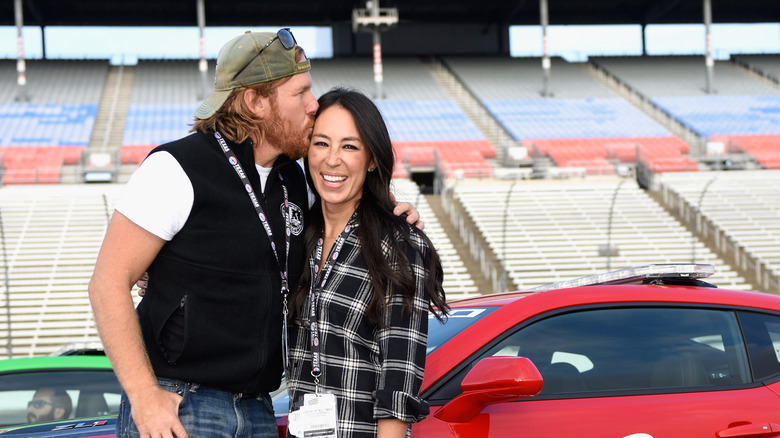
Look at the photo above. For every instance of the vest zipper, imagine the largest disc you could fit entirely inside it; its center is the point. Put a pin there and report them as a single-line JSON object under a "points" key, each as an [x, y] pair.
{"points": [[182, 305]]}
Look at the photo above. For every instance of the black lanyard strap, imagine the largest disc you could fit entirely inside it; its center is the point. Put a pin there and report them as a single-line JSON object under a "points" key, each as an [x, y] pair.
{"points": [[283, 269], [317, 286], [233, 160]]}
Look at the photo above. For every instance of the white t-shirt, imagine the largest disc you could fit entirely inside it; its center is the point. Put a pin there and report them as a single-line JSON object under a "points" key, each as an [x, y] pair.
{"points": [[165, 213]]}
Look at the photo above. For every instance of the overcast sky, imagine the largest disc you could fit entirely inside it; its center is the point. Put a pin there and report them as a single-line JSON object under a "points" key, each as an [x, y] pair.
{"points": [[131, 43], [575, 43]]}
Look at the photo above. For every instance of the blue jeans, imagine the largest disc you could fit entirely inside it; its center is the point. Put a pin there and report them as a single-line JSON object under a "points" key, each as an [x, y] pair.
{"points": [[209, 412]]}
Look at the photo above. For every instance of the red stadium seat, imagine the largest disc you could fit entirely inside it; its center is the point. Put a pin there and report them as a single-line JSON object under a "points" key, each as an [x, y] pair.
{"points": [[594, 154], [764, 149], [134, 154], [35, 164]]}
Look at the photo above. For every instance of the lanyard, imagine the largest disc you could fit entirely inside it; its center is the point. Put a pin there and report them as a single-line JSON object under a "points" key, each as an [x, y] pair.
{"points": [[315, 290], [233, 161]]}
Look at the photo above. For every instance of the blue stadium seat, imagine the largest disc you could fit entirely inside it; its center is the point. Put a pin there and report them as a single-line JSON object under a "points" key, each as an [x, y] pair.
{"points": [[46, 124], [428, 120], [154, 124], [573, 118], [726, 115]]}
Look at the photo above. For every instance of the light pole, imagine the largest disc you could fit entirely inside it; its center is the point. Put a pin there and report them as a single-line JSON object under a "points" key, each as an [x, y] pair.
{"points": [[609, 250], [21, 68], [698, 218], [544, 17], [504, 282], [203, 65], [375, 20]]}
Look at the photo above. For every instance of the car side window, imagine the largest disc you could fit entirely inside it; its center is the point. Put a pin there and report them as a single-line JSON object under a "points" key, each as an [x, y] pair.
{"points": [[44, 396], [762, 334], [645, 349]]}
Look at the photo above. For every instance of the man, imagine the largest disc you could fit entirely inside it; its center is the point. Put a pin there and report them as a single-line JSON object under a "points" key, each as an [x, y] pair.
{"points": [[217, 217], [49, 404]]}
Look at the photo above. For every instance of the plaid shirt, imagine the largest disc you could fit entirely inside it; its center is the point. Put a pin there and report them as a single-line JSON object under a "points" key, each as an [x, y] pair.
{"points": [[375, 373]]}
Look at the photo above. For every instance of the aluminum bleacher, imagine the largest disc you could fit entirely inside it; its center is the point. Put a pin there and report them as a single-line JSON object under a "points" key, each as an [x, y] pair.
{"points": [[498, 78], [51, 238], [662, 76], [421, 117], [743, 112], [163, 82], [553, 230], [56, 81], [755, 131], [767, 65], [163, 99], [405, 79], [457, 281], [576, 126], [418, 112], [54, 121], [745, 205], [740, 103]]}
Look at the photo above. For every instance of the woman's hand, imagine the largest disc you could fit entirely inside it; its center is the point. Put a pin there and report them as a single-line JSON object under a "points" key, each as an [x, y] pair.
{"points": [[142, 284]]}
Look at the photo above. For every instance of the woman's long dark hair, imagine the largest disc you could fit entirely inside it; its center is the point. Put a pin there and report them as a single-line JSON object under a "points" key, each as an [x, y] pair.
{"points": [[375, 215]]}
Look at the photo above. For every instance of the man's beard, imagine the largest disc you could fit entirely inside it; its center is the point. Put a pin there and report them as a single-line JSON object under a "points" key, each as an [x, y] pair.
{"points": [[290, 140], [32, 418]]}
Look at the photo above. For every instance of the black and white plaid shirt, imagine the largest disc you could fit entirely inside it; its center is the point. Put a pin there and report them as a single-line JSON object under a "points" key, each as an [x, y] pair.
{"points": [[375, 373]]}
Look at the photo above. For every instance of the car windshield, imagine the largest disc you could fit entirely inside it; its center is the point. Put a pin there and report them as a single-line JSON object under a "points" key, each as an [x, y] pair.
{"points": [[39, 397], [457, 321]]}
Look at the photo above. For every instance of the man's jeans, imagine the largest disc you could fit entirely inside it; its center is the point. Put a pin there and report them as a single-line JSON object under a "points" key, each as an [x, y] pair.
{"points": [[209, 412]]}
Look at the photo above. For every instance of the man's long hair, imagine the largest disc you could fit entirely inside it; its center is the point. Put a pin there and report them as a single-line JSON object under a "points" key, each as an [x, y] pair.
{"points": [[389, 273], [234, 120]]}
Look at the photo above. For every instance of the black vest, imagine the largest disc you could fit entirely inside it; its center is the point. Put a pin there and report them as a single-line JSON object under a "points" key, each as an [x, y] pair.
{"points": [[212, 313]]}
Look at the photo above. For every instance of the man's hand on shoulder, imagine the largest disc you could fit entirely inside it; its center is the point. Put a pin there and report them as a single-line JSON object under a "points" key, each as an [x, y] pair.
{"points": [[412, 215]]}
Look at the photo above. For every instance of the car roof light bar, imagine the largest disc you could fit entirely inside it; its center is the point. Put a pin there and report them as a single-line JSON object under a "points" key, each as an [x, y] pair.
{"points": [[636, 275], [78, 348]]}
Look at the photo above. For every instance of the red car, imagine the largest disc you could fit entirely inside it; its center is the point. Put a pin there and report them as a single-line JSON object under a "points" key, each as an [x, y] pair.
{"points": [[643, 352]]}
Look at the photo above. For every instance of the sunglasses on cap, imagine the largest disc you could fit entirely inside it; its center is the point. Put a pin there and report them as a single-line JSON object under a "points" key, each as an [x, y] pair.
{"points": [[284, 35], [37, 404]]}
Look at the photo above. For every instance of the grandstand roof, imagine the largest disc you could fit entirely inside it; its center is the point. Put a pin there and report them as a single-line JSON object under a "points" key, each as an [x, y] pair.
{"points": [[318, 12]]}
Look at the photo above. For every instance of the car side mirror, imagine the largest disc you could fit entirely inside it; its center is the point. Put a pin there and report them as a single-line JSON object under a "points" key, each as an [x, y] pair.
{"points": [[492, 380]]}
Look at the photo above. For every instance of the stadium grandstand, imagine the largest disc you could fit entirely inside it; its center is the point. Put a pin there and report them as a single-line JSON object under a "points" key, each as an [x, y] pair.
{"points": [[526, 169]]}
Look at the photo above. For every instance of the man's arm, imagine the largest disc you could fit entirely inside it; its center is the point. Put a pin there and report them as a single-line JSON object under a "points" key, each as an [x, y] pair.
{"points": [[126, 252]]}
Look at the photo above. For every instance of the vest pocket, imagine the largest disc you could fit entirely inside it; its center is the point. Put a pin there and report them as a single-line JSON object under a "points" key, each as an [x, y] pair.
{"points": [[172, 337]]}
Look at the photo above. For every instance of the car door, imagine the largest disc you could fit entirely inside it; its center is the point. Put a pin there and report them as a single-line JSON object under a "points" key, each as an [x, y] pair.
{"points": [[639, 371]]}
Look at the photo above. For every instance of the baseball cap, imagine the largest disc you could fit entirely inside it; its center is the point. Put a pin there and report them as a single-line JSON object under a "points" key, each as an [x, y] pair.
{"points": [[249, 59]]}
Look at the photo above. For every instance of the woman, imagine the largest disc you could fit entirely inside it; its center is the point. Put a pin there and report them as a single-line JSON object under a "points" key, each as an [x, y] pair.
{"points": [[359, 320]]}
